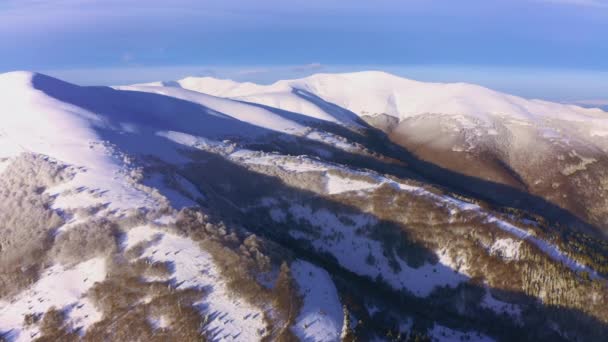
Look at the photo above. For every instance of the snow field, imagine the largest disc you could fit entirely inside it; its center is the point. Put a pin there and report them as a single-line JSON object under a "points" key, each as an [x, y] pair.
{"points": [[321, 316], [59, 287], [230, 318], [353, 253]]}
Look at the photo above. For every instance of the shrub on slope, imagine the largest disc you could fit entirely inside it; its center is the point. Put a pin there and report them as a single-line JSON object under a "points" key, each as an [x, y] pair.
{"points": [[26, 220]]}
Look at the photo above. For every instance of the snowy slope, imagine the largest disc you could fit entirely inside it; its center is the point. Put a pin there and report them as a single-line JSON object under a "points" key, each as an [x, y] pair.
{"points": [[60, 288], [321, 316], [531, 145], [138, 154], [109, 137], [234, 319], [281, 95], [69, 134], [97, 130], [102, 133], [256, 116], [456, 117], [374, 92]]}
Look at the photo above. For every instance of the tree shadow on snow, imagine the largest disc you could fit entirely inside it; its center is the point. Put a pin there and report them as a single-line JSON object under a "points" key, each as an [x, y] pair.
{"points": [[496, 194], [457, 307]]}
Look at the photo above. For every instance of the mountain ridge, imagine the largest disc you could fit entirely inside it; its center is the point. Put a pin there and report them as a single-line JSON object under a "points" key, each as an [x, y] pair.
{"points": [[224, 214], [466, 128], [230, 88]]}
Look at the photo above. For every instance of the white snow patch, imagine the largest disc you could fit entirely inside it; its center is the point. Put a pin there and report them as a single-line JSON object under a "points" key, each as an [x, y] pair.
{"points": [[231, 317], [331, 140], [459, 264], [506, 248], [108, 184], [161, 322], [165, 220], [59, 287], [552, 251], [336, 184], [353, 250], [194, 141], [286, 163], [321, 316]]}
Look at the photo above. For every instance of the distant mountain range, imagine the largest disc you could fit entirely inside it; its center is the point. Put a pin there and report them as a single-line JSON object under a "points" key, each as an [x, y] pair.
{"points": [[601, 104]]}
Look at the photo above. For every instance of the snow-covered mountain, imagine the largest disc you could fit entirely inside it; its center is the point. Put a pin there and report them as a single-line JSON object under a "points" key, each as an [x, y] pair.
{"points": [[309, 209], [375, 92], [554, 151]]}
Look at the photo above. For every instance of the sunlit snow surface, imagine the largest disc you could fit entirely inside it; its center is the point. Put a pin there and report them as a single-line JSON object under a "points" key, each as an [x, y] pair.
{"points": [[375, 92], [59, 287], [102, 132], [231, 318]]}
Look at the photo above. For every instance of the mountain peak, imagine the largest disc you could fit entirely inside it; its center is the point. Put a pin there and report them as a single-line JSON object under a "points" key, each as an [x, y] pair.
{"points": [[17, 78], [34, 80]]}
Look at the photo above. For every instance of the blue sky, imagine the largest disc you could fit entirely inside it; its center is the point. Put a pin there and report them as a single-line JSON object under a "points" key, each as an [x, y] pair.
{"points": [[555, 49]]}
